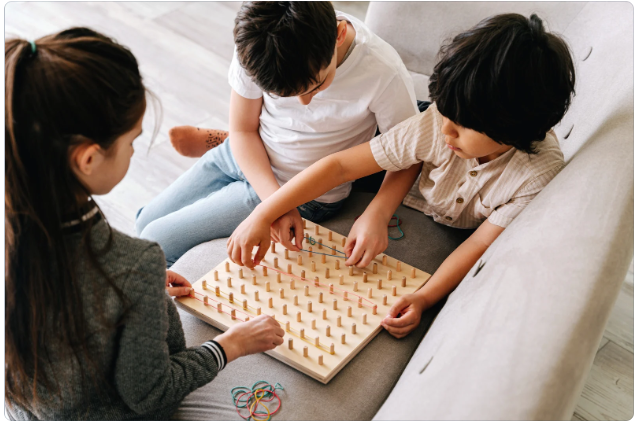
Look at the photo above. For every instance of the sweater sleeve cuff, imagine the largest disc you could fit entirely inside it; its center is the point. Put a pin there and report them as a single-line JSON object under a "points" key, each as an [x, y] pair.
{"points": [[217, 351]]}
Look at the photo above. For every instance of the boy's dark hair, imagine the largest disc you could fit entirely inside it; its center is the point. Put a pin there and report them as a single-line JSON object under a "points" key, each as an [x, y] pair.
{"points": [[507, 78], [283, 45]]}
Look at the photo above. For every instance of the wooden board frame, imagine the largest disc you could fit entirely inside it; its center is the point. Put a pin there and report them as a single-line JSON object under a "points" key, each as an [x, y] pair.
{"points": [[344, 295]]}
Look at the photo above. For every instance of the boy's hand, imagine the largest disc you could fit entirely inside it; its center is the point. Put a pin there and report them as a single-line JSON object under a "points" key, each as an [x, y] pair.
{"points": [[252, 232], [176, 285], [367, 239], [287, 227], [257, 335], [404, 316]]}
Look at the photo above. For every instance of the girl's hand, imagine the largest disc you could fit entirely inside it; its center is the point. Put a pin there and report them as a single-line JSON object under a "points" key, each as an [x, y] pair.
{"points": [[176, 285], [287, 227], [404, 315], [257, 335], [252, 232], [367, 239]]}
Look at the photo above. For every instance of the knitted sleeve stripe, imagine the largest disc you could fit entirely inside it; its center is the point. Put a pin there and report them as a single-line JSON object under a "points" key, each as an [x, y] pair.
{"points": [[217, 351]]}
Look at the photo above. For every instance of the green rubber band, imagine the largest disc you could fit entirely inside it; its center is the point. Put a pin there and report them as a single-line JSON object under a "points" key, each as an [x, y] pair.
{"points": [[33, 48], [398, 228]]}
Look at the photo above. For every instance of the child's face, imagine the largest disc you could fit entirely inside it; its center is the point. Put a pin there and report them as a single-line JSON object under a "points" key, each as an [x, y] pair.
{"points": [[468, 143], [325, 78]]}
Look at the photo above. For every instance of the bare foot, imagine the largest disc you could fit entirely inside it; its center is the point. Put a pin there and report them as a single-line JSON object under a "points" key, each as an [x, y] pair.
{"points": [[192, 141]]}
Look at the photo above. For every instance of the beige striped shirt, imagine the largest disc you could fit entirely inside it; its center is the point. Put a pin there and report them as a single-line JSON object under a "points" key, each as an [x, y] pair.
{"points": [[462, 192]]}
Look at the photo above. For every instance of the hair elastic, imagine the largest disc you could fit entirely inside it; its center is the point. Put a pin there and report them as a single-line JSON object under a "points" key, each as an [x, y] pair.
{"points": [[33, 49]]}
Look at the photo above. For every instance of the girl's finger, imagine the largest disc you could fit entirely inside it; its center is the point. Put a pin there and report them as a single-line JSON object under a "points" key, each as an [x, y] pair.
{"points": [[356, 254]]}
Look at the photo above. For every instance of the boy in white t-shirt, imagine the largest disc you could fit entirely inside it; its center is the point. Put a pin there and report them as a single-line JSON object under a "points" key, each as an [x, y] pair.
{"points": [[306, 82]]}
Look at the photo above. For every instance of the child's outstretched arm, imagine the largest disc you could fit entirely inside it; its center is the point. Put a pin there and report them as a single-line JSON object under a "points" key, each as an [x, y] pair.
{"points": [[405, 314], [311, 183]]}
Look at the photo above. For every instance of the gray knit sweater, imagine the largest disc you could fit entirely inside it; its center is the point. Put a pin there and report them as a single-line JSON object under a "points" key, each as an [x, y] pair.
{"points": [[142, 369]]}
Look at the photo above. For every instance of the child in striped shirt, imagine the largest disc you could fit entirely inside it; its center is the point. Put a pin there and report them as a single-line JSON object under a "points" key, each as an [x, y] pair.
{"points": [[483, 150]]}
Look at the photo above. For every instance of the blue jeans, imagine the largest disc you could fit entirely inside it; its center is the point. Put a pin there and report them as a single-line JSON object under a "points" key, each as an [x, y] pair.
{"points": [[207, 202]]}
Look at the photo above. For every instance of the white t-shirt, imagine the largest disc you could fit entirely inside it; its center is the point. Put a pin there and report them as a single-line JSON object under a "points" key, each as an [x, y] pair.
{"points": [[371, 87]]}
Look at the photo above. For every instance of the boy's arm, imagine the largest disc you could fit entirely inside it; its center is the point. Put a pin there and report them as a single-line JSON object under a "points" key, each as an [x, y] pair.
{"points": [[317, 179], [405, 314]]}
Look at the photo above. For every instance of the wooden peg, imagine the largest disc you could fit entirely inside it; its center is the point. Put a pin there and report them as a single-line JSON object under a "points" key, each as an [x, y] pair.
{"points": [[374, 268], [320, 297], [204, 285], [289, 269], [229, 282], [242, 289], [299, 260], [354, 328], [309, 251], [305, 349], [333, 251], [324, 314], [259, 310], [323, 259], [364, 318], [385, 300], [327, 331], [303, 273], [304, 223], [403, 281], [278, 277], [272, 247], [268, 286], [374, 310], [317, 281], [216, 275], [244, 304], [320, 360], [205, 300], [413, 273], [227, 266], [337, 265], [385, 260], [398, 266], [317, 341], [230, 297], [286, 254], [284, 309], [343, 242], [327, 272], [316, 229], [389, 275], [332, 288], [355, 286], [340, 278], [265, 271], [281, 293], [290, 343], [256, 295], [219, 307], [319, 243], [295, 300], [343, 339], [313, 324], [217, 291], [313, 266], [191, 292], [309, 306], [339, 321], [330, 235], [332, 348], [298, 316], [270, 302], [394, 290], [254, 280], [370, 293], [302, 333], [349, 311], [360, 303], [287, 325], [292, 284], [345, 296], [334, 304], [365, 277], [232, 314], [241, 273], [306, 291], [351, 270], [276, 262], [380, 284]]}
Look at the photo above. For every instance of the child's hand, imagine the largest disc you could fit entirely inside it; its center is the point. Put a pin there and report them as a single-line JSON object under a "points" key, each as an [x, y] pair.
{"points": [[404, 316], [257, 335], [368, 238], [176, 285], [252, 232], [287, 227]]}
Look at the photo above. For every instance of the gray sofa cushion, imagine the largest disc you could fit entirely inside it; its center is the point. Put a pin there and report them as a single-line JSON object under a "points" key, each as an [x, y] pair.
{"points": [[358, 391]]}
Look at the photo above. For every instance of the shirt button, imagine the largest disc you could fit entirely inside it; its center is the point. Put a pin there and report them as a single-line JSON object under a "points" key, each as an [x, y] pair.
{"points": [[448, 218], [473, 173], [459, 200]]}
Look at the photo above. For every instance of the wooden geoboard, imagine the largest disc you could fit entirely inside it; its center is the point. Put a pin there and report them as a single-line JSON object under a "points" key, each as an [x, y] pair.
{"points": [[329, 311]]}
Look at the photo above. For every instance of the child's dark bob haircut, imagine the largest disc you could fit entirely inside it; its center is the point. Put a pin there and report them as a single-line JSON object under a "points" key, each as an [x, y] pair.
{"points": [[507, 78], [283, 45]]}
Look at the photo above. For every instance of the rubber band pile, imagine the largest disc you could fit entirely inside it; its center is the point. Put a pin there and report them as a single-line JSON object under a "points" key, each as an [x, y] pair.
{"points": [[250, 399]]}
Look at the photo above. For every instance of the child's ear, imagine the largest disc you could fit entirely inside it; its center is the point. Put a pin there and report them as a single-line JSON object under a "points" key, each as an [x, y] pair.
{"points": [[86, 157], [342, 31]]}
